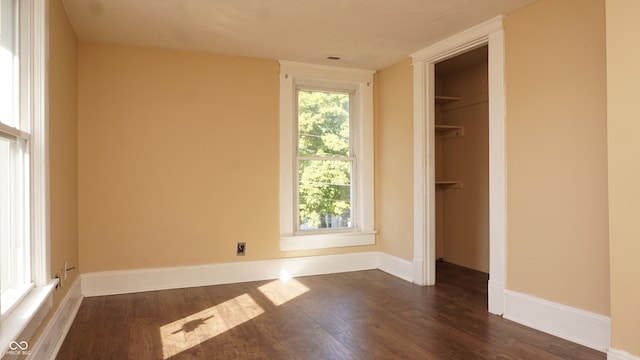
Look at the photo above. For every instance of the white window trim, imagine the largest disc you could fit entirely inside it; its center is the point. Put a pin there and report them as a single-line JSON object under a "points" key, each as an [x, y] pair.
{"points": [[20, 323], [293, 74]]}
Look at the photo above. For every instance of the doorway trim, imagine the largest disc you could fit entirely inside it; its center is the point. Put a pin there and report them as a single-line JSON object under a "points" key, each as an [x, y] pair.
{"points": [[489, 33]]}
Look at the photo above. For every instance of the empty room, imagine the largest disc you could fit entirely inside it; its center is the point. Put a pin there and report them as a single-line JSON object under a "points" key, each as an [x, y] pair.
{"points": [[339, 179]]}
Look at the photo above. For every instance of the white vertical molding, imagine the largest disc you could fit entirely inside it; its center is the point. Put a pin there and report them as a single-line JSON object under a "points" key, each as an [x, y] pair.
{"points": [[419, 172], [489, 32], [36, 109], [365, 161], [430, 186], [497, 173], [424, 173], [286, 154]]}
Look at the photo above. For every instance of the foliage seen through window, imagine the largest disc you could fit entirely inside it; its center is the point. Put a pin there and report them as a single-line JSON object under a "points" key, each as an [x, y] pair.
{"points": [[325, 164]]}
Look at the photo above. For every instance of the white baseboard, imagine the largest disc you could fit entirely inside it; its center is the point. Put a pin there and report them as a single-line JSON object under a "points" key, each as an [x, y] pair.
{"points": [[496, 297], [614, 354], [53, 335], [130, 281], [396, 266], [579, 326]]}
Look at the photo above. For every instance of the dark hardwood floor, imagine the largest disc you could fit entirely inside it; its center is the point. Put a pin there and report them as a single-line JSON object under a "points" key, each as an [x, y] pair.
{"points": [[358, 315]]}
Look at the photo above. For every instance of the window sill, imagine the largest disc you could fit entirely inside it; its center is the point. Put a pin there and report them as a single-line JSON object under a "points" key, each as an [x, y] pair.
{"points": [[20, 324], [11, 298], [327, 240]]}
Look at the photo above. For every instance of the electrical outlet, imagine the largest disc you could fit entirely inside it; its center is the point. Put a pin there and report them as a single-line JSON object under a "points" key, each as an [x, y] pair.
{"points": [[240, 249], [66, 269]]}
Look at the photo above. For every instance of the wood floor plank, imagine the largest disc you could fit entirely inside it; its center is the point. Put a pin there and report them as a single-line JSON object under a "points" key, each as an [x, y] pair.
{"points": [[357, 315]]}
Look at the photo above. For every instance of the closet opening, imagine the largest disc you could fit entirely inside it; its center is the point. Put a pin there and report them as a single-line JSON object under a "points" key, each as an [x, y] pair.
{"points": [[461, 129]]}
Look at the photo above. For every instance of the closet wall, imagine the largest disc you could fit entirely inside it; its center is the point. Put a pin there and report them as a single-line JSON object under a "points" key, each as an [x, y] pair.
{"points": [[462, 155]]}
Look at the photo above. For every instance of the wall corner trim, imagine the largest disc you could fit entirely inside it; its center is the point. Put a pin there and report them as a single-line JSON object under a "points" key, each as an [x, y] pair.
{"points": [[52, 337], [569, 323], [615, 354]]}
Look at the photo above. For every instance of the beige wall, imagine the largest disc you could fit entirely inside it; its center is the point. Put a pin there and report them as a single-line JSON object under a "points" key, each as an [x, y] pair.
{"points": [[63, 51], [557, 228], [394, 159], [463, 214], [623, 87], [63, 91], [178, 158]]}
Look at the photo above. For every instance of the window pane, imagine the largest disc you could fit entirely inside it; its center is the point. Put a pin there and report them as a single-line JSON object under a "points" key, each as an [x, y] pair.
{"points": [[9, 69], [323, 123], [5, 211], [15, 246], [324, 194]]}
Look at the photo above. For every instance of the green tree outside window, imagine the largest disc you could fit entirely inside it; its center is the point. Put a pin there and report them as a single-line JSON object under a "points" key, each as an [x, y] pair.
{"points": [[324, 160]]}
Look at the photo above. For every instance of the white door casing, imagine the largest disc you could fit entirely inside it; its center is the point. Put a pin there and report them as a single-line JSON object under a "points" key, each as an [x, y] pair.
{"points": [[489, 33]]}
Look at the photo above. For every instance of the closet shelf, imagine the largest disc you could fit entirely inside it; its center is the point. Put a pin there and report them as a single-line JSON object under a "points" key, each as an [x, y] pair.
{"points": [[445, 99], [449, 131], [449, 184]]}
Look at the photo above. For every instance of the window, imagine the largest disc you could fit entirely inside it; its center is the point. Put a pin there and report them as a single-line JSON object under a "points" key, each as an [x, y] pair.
{"points": [[326, 157], [23, 213], [325, 160], [15, 265]]}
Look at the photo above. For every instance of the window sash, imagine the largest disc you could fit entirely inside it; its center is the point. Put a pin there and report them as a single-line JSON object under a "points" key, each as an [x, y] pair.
{"points": [[350, 158], [9, 65], [15, 188], [15, 237], [331, 90], [24, 230], [331, 218]]}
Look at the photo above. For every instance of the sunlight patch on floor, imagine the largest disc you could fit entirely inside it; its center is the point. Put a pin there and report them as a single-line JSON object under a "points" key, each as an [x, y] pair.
{"points": [[282, 290], [197, 328]]}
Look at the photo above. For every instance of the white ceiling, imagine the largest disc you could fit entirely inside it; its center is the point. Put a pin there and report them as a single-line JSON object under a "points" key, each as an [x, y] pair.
{"points": [[369, 34]]}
